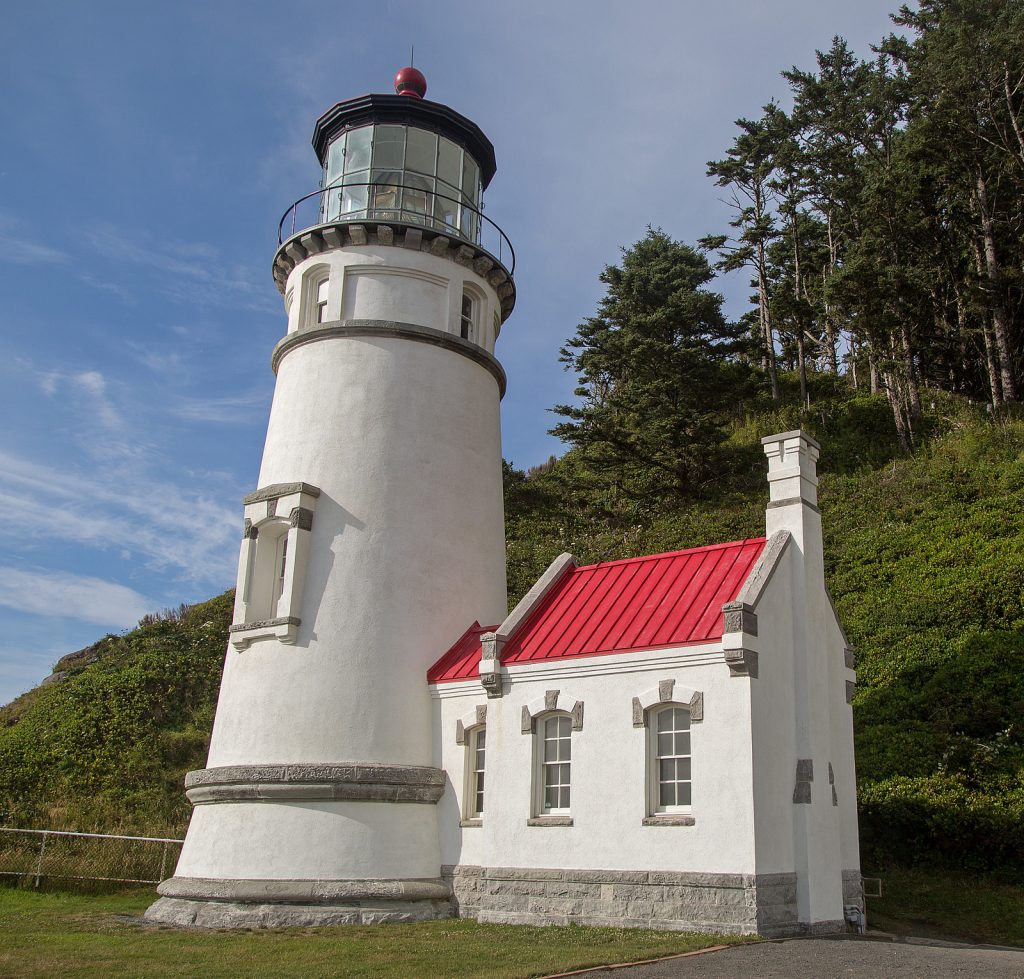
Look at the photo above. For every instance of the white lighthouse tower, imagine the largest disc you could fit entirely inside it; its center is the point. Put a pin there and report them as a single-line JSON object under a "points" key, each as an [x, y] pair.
{"points": [[374, 532]]}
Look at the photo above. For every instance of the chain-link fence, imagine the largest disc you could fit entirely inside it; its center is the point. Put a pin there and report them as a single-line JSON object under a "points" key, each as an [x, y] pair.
{"points": [[41, 855]]}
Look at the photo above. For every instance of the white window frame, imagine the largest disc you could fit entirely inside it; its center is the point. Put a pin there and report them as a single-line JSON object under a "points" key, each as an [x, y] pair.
{"points": [[468, 328], [471, 809], [541, 765], [654, 758], [323, 290]]}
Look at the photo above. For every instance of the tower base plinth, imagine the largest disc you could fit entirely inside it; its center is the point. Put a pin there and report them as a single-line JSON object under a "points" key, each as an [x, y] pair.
{"points": [[198, 903]]}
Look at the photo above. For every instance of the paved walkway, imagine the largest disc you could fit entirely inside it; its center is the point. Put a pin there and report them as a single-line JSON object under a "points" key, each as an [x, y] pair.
{"points": [[822, 958]]}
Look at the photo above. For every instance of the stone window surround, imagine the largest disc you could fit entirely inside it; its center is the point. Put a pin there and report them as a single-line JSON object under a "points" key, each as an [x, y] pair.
{"points": [[312, 278], [540, 708], [645, 706], [291, 505], [465, 729]]}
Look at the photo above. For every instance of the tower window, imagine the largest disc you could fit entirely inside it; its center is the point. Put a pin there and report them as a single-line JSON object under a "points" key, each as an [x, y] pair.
{"points": [[467, 330], [321, 300], [282, 564]]}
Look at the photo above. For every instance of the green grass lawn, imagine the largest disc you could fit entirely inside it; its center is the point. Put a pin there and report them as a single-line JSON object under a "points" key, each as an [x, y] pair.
{"points": [[951, 906], [67, 935]]}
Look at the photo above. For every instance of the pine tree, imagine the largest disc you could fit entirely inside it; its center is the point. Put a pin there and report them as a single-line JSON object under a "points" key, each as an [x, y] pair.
{"points": [[657, 373]]}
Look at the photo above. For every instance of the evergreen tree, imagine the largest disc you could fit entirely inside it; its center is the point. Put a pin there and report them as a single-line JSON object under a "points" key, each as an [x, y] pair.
{"points": [[657, 373]]}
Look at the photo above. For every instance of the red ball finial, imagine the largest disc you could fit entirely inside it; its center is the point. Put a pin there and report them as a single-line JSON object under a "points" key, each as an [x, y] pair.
{"points": [[410, 81]]}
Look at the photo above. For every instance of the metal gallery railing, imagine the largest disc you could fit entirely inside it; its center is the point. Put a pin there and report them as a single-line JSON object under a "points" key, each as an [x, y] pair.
{"points": [[49, 854], [410, 205]]}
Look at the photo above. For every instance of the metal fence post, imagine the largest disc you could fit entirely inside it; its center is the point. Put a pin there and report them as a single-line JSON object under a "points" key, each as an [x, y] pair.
{"points": [[163, 861], [39, 862]]}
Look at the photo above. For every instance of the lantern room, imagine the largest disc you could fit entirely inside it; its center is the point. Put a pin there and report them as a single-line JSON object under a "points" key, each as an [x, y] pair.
{"points": [[400, 158]]}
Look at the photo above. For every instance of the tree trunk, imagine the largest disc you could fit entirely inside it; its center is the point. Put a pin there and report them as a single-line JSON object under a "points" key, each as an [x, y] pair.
{"points": [[913, 388], [896, 404], [1000, 320], [831, 338], [873, 372]]}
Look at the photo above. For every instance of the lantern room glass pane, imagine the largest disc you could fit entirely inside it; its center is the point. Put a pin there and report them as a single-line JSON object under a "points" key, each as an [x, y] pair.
{"points": [[335, 160], [385, 194], [354, 194], [357, 150], [421, 151], [471, 180], [389, 147], [449, 162]]}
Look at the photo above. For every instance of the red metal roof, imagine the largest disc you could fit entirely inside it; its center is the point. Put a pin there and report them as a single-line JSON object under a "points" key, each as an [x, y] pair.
{"points": [[638, 603]]}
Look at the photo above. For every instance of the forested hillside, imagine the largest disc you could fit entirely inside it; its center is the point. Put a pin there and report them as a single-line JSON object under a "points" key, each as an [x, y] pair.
{"points": [[880, 220]]}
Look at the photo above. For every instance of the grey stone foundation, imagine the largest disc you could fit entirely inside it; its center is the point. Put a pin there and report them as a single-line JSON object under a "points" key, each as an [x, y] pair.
{"points": [[191, 902], [743, 904]]}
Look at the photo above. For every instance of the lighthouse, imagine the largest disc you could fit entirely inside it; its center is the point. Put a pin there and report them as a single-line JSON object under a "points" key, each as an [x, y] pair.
{"points": [[374, 532]]}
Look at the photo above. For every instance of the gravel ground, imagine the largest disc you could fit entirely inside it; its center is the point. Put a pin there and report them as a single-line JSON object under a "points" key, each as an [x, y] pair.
{"points": [[822, 958]]}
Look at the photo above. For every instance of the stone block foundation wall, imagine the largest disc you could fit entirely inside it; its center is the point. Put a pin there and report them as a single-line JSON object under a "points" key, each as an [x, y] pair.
{"points": [[743, 904]]}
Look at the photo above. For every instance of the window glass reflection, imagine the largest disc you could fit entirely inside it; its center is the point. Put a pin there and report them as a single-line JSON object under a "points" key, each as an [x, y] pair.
{"points": [[357, 150]]}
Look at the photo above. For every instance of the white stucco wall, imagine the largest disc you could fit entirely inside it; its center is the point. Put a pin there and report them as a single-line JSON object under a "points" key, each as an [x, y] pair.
{"points": [[310, 841], [773, 718], [609, 768]]}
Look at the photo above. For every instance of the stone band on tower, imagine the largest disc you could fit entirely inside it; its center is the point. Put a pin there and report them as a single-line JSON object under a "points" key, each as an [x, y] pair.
{"points": [[376, 527]]}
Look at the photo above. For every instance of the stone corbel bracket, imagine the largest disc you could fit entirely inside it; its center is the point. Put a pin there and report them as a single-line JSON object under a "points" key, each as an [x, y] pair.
{"points": [[739, 618], [553, 700], [477, 718], [668, 692], [492, 643], [283, 508]]}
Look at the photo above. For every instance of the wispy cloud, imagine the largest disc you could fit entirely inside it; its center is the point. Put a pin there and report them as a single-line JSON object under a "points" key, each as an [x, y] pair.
{"points": [[72, 596], [172, 528], [242, 409], [24, 252], [90, 385], [194, 273]]}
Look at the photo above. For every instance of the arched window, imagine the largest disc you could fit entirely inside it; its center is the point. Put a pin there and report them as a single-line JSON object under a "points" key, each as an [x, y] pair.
{"points": [[554, 764], [315, 295], [670, 768]]}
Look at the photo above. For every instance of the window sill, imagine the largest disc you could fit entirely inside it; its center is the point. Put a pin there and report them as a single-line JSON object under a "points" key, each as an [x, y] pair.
{"points": [[669, 819], [549, 821], [285, 629], [468, 823]]}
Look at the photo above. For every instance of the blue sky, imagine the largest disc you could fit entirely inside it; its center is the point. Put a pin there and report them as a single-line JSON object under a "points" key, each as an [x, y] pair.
{"points": [[147, 153]]}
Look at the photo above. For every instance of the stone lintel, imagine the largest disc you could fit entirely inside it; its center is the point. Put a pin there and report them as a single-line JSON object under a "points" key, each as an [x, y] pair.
{"points": [[274, 491]]}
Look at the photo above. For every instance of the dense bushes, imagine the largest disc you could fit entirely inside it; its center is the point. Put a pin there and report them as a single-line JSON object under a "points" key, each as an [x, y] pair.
{"points": [[108, 745]]}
